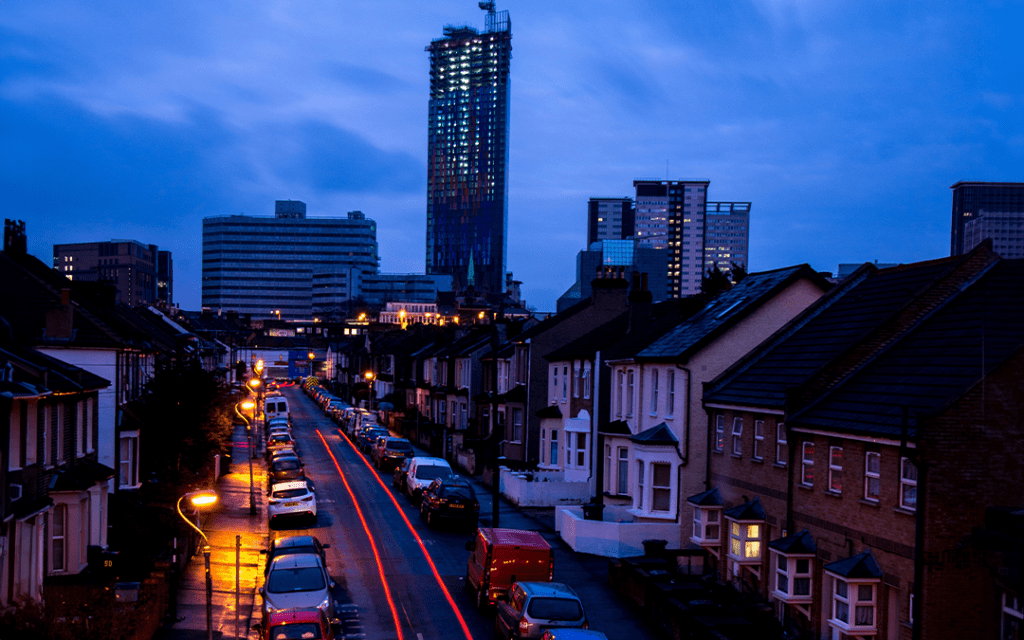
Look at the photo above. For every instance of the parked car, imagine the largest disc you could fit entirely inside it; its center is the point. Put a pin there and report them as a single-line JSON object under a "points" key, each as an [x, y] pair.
{"points": [[531, 608], [451, 498], [367, 436], [422, 471], [279, 428], [392, 451], [275, 406], [285, 468], [293, 498], [279, 441], [297, 624], [502, 556], [282, 452], [294, 544], [573, 634], [297, 581], [398, 478]]}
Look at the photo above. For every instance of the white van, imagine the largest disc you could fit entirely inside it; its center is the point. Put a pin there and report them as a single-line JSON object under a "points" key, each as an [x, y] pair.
{"points": [[276, 407]]}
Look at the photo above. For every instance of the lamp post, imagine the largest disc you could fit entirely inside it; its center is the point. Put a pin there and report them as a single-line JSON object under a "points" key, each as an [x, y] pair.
{"points": [[369, 379], [311, 355], [247, 405], [202, 499]]}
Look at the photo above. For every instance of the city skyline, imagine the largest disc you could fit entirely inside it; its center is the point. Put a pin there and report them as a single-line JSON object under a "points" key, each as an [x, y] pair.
{"points": [[835, 121]]}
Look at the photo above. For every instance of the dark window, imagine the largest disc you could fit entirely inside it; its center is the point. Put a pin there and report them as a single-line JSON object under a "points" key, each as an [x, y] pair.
{"points": [[555, 609]]}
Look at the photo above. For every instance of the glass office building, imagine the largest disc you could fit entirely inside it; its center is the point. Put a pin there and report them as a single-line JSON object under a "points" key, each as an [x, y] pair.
{"points": [[726, 235], [988, 210], [670, 214], [271, 267], [467, 164]]}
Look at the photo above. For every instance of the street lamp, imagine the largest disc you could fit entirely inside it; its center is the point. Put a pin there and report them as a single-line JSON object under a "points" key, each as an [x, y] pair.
{"points": [[369, 379], [248, 405], [311, 355], [202, 499]]}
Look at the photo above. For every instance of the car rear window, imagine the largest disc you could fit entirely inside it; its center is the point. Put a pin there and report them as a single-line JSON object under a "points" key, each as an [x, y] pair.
{"points": [[291, 580], [303, 631], [555, 609], [430, 472], [290, 493], [458, 491], [286, 465], [399, 445]]}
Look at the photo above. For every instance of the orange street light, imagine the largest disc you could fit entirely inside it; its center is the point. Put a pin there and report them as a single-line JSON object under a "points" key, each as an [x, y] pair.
{"points": [[202, 499]]}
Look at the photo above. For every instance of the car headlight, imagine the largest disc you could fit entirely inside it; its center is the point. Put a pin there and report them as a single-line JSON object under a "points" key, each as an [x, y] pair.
{"points": [[326, 602]]}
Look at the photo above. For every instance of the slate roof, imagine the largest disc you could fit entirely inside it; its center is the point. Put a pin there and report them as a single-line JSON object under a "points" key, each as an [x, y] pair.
{"points": [[725, 311], [843, 316], [934, 364], [801, 543], [709, 498], [550, 411], [747, 511], [615, 428], [658, 434], [860, 566]]}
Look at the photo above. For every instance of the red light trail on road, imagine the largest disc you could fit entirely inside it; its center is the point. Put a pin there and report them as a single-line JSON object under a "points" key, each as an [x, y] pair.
{"points": [[373, 542], [416, 536]]}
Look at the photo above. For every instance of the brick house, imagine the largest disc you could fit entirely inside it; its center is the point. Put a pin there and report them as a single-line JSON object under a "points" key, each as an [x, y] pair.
{"points": [[839, 451]]}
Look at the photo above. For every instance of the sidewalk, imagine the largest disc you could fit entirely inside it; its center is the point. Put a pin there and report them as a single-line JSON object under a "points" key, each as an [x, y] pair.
{"points": [[229, 519]]}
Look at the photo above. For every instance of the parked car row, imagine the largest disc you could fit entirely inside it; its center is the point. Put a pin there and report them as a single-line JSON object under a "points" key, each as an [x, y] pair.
{"points": [[297, 593], [510, 569]]}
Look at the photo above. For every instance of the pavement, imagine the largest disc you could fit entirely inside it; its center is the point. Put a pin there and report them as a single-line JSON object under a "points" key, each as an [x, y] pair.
{"points": [[236, 538]]}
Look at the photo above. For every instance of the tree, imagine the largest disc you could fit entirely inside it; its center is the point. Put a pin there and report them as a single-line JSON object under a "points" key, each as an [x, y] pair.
{"points": [[715, 282]]}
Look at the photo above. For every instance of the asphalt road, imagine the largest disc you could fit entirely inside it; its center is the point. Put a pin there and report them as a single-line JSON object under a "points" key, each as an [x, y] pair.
{"points": [[389, 567]]}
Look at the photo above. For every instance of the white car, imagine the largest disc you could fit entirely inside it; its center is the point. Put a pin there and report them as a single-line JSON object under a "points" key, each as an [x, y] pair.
{"points": [[422, 471], [291, 498]]}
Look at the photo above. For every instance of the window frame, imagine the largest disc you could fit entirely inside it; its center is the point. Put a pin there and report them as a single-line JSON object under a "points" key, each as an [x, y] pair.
{"points": [[869, 475], [907, 483], [586, 380], [790, 562], [60, 511], [758, 440], [719, 432], [517, 425], [630, 392], [640, 484], [806, 463], [781, 444], [553, 446], [622, 479], [737, 436], [661, 490], [740, 536], [702, 519], [670, 392], [852, 601], [654, 392], [835, 469]]}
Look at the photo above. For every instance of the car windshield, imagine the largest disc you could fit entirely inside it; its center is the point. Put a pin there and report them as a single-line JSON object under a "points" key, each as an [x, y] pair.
{"points": [[458, 491], [283, 551], [280, 438], [555, 609], [304, 631], [298, 579], [399, 445], [290, 493], [430, 472], [286, 464]]}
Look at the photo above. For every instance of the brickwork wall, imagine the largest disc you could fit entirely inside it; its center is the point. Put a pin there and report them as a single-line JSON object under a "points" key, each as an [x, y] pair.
{"points": [[973, 455]]}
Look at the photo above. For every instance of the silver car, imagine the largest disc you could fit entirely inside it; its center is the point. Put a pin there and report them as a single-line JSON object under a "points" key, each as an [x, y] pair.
{"points": [[531, 608], [297, 581], [291, 498]]}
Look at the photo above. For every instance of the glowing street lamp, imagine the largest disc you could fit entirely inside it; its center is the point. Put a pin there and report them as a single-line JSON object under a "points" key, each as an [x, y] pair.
{"points": [[311, 355], [203, 499], [369, 379], [249, 405]]}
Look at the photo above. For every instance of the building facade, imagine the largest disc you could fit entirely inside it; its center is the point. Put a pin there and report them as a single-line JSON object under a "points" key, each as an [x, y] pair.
{"points": [[610, 219], [726, 235], [132, 267], [286, 258], [670, 214], [467, 164], [988, 210], [626, 257]]}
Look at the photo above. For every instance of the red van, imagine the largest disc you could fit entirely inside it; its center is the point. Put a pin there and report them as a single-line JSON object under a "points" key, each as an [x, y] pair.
{"points": [[503, 556]]}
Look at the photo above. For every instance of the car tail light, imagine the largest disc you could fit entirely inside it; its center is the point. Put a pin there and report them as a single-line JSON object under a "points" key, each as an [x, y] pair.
{"points": [[551, 566], [524, 626], [307, 498]]}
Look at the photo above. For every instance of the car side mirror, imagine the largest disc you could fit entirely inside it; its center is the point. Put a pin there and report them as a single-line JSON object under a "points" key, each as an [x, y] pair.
{"points": [[262, 591], [332, 585], [263, 552], [325, 546]]}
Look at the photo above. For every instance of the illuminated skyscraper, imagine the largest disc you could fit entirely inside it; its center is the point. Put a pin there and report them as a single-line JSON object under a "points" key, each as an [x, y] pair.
{"points": [[467, 167]]}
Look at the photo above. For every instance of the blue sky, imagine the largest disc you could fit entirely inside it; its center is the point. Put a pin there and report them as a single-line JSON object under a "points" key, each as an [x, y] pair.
{"points": [[843, 122]]}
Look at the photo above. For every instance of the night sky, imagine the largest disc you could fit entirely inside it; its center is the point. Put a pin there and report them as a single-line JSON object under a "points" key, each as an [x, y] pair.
{"points": [[845, 123]]}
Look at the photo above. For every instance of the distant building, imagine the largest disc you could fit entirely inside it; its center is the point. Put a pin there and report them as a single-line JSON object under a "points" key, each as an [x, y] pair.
{"points": [[164, 277], [610, 219], [381, 288], [132, 267], [467, 163], [988, 210], [271, 267], [670, 214], [726, 235], [621, 257]]}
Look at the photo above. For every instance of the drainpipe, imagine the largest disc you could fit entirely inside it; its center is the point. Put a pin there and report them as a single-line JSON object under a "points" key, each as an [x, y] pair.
{"points": [[922, 477], [596, 466]]}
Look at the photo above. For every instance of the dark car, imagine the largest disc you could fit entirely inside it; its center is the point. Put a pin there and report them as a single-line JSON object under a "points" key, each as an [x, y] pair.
{"points": [[450, 498], [368, 436], [295, 544], [391, 452], [286, 468], [401, 471]]}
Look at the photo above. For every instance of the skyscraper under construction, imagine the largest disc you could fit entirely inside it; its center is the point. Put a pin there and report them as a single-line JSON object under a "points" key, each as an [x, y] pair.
{"points": [[467, 168]]}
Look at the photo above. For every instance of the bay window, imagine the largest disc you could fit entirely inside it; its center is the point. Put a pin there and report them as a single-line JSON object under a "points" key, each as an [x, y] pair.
{"points": [[661, 487], [854, 605], [793, 575], [707, 525], [745, 541]]}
